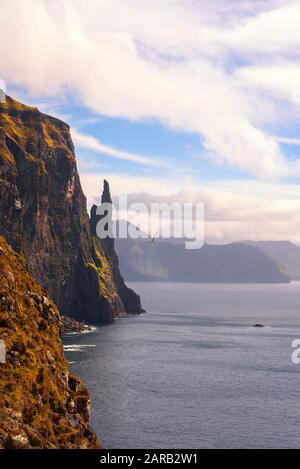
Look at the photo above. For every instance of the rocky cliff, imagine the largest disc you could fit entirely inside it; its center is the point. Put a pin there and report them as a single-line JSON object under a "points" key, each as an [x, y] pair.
{"points": [[41, 404], [43, 215], [129, 298]]}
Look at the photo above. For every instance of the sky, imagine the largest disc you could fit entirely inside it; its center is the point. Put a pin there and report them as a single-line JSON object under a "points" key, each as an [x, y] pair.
{"points": [[181, 99]]}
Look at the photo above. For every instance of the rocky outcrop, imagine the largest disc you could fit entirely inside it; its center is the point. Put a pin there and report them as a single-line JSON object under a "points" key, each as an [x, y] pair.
{"points": [[44, 216], [70, 326], [129, 299], [41, 404]]}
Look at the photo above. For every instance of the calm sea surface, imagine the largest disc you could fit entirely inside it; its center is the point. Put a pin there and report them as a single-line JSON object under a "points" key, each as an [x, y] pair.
{"points": [[193, 372]]}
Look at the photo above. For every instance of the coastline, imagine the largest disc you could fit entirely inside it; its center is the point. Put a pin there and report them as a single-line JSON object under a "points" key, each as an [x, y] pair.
{"points": [[71, 326]]}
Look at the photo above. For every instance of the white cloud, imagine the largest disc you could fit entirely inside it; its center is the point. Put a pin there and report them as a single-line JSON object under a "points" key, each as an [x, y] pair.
{"points": [[234, 210], [288, 141], [86, 141], [165, 60], [281, 79], [276, 29]]}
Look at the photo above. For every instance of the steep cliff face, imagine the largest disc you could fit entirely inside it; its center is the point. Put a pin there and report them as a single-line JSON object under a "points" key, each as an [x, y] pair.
{"points": [[43, 214], [41, 404], [130, 300]]}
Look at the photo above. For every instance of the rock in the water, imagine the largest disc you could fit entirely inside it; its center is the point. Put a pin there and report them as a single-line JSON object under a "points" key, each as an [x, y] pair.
{"points": [[71, 326]]}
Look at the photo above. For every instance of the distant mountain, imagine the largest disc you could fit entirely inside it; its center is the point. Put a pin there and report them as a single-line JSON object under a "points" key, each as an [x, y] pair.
{"points": [[285, 253], [143, 260]]}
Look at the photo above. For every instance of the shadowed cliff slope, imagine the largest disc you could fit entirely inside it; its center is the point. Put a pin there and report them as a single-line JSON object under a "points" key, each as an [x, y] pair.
{"points": [[129, 298], [41, 404], [44, 216], [284, 253]]}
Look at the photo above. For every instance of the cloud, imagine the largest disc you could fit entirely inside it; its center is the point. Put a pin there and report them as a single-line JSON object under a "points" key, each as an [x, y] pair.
{"points": [[288, 141], [234, 210], [121, 184], [87, 141], [281, 79], [277, 29], [171, 61]]}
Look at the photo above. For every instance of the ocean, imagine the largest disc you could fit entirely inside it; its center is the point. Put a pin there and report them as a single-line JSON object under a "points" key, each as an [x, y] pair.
{"points": [[193, 372]]}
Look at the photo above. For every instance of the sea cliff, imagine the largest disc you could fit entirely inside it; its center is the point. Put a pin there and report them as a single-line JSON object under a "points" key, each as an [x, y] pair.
{"points": [[44, 216], [42, 405]]}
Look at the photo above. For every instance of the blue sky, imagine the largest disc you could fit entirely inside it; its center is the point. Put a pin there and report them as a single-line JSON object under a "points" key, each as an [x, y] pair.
{"points": [[172, 96], [181, 151]]}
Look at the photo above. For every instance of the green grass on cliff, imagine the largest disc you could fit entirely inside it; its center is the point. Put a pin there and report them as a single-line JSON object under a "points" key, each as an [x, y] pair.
{"points": [[35, 382]]}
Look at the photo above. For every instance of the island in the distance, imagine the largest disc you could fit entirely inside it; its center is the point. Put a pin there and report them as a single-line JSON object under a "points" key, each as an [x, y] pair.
{"points": [[169, 260]]}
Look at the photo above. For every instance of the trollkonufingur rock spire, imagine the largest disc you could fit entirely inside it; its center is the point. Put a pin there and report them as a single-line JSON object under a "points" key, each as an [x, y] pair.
{"points": [[130, 300], [106, 198]]}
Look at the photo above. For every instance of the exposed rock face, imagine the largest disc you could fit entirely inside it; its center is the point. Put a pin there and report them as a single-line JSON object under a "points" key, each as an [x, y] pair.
{"points": [[43, 214], [130, 300], [41, 404], [70, 325]]}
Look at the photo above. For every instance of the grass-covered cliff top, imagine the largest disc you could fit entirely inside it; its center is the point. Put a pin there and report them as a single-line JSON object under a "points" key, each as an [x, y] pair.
{"points": [[41, 404], [28, 128]]}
